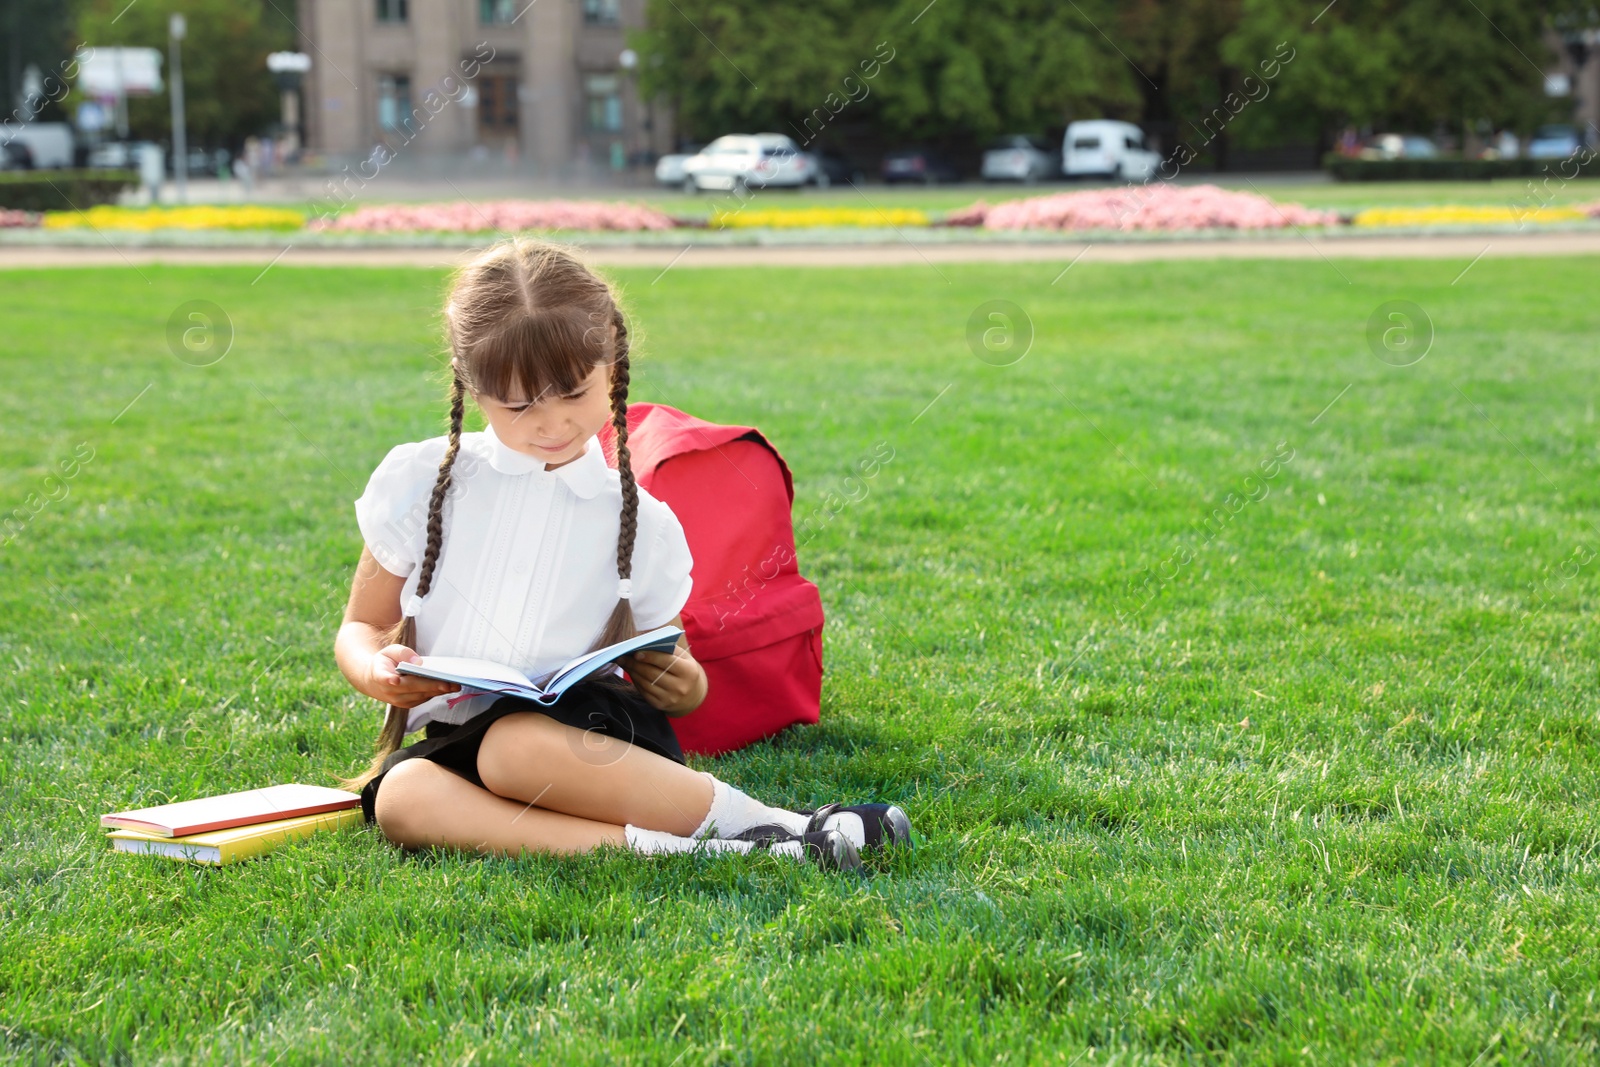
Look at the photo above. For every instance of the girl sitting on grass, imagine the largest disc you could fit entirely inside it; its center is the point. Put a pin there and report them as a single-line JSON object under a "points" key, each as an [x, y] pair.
{"points": [[520, 545]]}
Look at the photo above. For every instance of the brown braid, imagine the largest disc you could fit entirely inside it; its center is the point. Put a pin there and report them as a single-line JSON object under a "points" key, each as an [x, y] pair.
{"points": [[441, 486], [621, 625], [404, 632]]}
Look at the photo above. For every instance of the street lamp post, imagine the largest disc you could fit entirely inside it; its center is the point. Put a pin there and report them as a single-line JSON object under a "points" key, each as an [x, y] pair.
{"points": [[628, 60], [176, 28], [289, 70]]}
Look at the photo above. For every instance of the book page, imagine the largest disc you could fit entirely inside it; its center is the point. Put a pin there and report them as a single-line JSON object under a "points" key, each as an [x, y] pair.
{"points": [[663, 639], [465, 671]]}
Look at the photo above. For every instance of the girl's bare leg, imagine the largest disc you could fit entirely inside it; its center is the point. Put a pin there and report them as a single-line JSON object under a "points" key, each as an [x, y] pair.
{"points": [[421, 803], [532, 758]]}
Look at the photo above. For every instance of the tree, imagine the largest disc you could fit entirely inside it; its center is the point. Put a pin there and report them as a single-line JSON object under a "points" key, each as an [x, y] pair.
{"points": [[952, 70], [36, 35], [1191, 71], [1006, 66], [1396, 64], [1175, 50], [228, 92]]}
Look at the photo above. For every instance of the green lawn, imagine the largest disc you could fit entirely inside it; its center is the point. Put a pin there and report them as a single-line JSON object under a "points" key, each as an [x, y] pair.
{"points": [[1323, 789]]}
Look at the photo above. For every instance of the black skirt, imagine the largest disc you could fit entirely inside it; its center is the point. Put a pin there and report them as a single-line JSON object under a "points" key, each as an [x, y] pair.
{"points": [[614, 709]]}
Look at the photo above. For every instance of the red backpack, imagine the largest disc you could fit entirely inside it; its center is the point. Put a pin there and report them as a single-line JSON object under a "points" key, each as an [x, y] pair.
{"points": [[752, 621]]}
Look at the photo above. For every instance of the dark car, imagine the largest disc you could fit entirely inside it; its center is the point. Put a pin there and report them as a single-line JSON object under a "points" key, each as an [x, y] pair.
{"points": [[14, 156], [834, 169], [918, 165]]}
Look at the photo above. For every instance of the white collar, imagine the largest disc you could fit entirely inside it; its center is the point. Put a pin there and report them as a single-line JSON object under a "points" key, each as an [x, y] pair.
{"points": [[585, 476]]}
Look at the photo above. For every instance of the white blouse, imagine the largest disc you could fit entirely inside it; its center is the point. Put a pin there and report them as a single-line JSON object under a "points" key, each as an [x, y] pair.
{"points": [[527, 571]]}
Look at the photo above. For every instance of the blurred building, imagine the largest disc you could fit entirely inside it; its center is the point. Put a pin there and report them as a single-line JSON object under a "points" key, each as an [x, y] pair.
{"points": [[536, 86], [1574, 71]]}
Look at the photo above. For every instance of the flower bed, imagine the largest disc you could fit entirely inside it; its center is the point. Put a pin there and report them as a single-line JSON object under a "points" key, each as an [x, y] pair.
{"points": [[503, 215], [1460, 214], [17, 220], [817, 217], [1158, 206], [201, 217]]}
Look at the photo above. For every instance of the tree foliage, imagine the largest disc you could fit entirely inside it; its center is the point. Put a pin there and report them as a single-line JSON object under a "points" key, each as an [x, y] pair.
{"points": [[228, 92], [952, 66], [964, 69], [1397, 64], [34, 34]]}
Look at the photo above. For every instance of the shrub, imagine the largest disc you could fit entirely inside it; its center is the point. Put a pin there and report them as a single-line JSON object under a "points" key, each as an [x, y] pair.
{"points": [[1345, 169], [62, 190]]}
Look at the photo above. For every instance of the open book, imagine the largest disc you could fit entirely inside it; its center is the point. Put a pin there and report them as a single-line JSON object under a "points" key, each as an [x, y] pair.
{"points": [[485, 676]]}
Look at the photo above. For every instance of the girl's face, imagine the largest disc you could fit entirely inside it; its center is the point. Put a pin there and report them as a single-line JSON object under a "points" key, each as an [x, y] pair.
{"points": [[555, 429]]}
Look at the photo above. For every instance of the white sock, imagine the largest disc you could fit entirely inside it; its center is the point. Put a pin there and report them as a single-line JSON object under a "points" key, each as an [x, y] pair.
{"points": [[733, 812], [658, 841]]}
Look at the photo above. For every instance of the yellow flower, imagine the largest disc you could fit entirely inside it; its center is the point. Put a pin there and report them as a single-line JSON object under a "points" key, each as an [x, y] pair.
{"points": [[1463, 214], [200, 217], [814, 217]]}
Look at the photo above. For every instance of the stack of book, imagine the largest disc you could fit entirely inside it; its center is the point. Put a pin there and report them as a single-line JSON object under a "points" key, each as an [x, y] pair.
{"points": [[234, 826]]}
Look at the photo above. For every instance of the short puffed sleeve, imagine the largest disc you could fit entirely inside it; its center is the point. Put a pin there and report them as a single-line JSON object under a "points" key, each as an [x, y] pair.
{"points": [[393, 512], [661, 565]]}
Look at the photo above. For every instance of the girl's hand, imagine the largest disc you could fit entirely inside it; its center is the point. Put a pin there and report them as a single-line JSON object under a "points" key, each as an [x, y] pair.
{"points": [[386, 683], [673, 682]]}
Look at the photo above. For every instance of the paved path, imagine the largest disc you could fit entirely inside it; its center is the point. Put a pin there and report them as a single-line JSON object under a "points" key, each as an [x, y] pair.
{"points": [[899, 253]]}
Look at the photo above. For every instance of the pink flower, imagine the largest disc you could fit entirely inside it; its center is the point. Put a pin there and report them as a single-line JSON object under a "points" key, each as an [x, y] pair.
{"points": [[503, 215], [971, 215], [17, 220], [1158, 206]]}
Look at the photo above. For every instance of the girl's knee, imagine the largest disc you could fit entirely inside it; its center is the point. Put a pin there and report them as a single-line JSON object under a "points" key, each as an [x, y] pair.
{"points": [[511, 747], [406, 797]]}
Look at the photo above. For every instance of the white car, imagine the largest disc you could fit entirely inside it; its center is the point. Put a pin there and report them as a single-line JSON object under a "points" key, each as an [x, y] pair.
{"points": [[1018, 159], [1107, 148], [669, 168], [739, 161], [784, 163]]}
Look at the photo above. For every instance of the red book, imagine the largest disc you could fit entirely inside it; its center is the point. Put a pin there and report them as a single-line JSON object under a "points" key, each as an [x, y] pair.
{"points": [[231, 809]]}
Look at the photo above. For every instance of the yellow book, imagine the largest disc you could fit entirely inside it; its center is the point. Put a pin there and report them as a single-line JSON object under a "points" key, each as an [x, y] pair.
{"points": [[236, 843]]}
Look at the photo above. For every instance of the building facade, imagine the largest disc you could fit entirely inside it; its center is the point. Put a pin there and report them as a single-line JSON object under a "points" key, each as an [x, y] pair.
{"points": [[544, 88]]}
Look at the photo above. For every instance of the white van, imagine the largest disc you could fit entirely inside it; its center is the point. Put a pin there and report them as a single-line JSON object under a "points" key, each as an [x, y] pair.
{"points": [[1108, 149], [44, 145]]}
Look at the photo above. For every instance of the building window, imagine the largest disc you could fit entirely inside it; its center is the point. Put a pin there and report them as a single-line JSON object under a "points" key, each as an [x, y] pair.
{"points": [[497, 104], [392, 10], [497, 12], [601, 13], [394, 105], [605, 102]]}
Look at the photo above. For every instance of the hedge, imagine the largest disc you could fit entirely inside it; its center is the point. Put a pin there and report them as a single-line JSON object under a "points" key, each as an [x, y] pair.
{"points": [[62, 190], [1585, 161]]}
